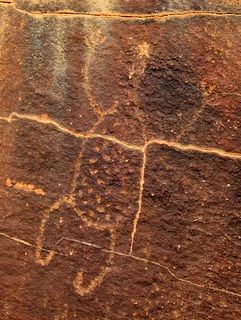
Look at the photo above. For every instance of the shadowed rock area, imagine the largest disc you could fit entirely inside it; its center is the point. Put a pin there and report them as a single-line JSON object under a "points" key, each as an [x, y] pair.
{"points": [[120, 162]]}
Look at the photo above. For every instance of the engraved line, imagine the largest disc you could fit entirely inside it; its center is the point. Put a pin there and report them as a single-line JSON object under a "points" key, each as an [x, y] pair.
{"points": [[78, 282], [44, 261], [92, 42], [142, 181], [142, 56]]}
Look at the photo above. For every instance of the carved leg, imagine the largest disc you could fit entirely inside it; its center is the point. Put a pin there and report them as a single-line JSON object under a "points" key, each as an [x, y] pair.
{"points": [[78, 283], [44, 261]]}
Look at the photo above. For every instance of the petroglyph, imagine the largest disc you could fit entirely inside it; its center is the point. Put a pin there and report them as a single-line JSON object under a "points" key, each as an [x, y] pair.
{"points": [[96, 33], [206, 92], [60, 64], [78, 282], [92, 42], [71, 198], [24, 186], [192, 122], [81, 289], [40, 238], [104, 201], [142, 56], [139, 66]]}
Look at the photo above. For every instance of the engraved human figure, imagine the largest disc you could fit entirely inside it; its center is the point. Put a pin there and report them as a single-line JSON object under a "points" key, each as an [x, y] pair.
{"points": [[106, 178]]}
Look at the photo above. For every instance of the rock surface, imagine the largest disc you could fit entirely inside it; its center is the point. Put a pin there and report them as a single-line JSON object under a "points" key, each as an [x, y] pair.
{"points": [[120, 163]]}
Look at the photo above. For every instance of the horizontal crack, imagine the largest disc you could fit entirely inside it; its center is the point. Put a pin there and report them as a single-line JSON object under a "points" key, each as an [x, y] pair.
{"points": [[47, 121], [194, 148], [130, 16], [174, 145], [116, 15]]}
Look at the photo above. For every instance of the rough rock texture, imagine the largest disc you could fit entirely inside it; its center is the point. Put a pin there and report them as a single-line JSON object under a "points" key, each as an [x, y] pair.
{"points": [[120, 176]]}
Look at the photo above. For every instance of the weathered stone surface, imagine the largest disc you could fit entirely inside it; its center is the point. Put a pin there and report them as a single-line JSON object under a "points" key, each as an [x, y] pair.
{"points": [[190, 216], [120, 160], [127, 6]]}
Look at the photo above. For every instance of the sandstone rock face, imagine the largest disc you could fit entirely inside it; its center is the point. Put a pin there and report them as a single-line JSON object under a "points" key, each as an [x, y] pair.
{"points": [[120, 159]]}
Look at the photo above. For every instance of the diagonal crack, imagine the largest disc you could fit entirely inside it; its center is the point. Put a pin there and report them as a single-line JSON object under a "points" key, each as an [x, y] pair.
{"points": [[25, 243], [130, 256]]}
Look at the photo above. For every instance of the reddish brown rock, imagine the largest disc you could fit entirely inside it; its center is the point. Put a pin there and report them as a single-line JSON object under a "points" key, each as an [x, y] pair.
{"points": [[190, 216], [120, 160]]}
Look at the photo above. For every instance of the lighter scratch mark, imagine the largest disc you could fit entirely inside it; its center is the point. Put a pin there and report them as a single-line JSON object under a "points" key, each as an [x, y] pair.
{"points": [[17, 240], [26, 243], [142, 181], [193, 120]]}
